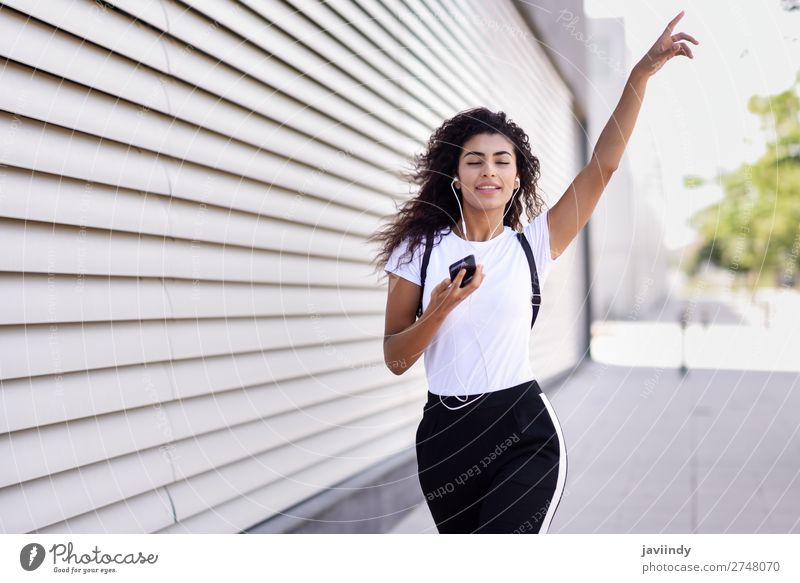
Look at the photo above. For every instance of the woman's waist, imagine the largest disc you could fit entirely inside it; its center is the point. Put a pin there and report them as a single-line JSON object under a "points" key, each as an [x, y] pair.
{"points": [[504, 396]]}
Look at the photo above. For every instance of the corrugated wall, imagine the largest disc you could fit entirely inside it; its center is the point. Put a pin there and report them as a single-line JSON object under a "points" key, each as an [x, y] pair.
{"points": [[190, 329]]}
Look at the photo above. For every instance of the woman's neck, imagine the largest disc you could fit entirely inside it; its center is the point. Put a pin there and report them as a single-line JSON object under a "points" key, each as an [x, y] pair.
{"points": [[482, 234]]}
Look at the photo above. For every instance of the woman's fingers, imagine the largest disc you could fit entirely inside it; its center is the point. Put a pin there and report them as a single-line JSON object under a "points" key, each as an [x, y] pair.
{"points": [[462, 274], [684, 48], [458, 279], [455, 283], [683, 36], [674, 21]]}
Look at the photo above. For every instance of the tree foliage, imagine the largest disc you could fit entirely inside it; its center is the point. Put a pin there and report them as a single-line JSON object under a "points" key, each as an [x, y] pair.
{"points": [[755, 229]]}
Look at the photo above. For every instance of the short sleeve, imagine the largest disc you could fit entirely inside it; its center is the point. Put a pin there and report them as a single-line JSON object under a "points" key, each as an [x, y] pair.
{"points": [[399, 264], [538, 235]]}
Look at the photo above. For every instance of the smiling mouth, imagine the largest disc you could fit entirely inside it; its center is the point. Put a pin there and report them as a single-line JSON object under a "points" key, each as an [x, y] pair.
{"points": [[488, 190]]}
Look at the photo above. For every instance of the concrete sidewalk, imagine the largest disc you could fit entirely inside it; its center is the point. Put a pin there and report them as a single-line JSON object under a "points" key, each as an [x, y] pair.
{"points": [[649, 451]]}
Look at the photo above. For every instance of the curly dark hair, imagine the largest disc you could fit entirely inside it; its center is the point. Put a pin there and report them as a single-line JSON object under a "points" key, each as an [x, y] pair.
{"points": [[435, 207]]}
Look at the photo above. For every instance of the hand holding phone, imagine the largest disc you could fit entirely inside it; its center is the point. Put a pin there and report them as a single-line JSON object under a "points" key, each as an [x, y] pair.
{"points": [[451, 291], [467, 263]]}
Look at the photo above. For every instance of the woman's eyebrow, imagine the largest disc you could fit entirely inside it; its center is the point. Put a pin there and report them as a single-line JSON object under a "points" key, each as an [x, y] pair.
{"points": [[481, 153]]}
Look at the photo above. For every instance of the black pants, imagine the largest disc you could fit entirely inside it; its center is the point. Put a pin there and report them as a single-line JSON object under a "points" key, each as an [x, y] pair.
{"points": [[497, 465]]}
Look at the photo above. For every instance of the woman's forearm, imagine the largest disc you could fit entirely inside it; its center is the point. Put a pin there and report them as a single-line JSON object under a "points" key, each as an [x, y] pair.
{"points": [[402, 350], [614, 137]]}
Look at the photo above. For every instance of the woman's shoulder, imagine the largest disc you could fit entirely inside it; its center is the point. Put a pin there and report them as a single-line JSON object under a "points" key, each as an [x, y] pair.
{"points": [[537, 223], [538, 236]]}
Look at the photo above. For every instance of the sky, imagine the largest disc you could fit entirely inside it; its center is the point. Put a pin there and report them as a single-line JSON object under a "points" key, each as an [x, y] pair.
{"points": [[696, 110]]}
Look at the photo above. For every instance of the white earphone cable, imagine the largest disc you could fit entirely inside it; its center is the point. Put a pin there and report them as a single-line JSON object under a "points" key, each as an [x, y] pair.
{"points": [[469, 304]]}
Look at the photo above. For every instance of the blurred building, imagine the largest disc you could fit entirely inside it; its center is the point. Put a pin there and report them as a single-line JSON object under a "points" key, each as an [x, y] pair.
{"points": [[191, 332], [629, 264]]}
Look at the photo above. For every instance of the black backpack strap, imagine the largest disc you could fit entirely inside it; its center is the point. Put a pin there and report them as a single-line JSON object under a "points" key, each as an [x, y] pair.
{"points": [[536, 297], [423, 271]]}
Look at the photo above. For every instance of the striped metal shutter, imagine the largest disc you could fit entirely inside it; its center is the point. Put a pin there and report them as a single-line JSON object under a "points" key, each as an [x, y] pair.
{"points": [[191, 332]]}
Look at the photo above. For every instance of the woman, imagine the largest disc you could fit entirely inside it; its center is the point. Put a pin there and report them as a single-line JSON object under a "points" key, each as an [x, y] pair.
{"points": [[490, 451]]}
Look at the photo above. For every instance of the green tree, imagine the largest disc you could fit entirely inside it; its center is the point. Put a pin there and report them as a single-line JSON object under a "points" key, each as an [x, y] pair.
{"points": [[754, 231]]}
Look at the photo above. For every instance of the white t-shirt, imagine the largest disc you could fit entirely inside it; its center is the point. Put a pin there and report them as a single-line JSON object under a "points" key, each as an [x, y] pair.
{"points": [[494, 320]]}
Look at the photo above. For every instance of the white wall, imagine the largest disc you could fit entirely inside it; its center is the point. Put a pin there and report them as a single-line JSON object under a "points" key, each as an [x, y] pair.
{"points": [[191, 332]]}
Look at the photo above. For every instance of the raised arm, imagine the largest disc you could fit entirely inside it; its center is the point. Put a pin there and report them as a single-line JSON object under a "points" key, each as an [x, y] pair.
{"points": [[572, 211]]}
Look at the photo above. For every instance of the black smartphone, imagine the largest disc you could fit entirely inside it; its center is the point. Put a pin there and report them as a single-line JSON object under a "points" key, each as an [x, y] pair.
{"points": [[467, 262]]}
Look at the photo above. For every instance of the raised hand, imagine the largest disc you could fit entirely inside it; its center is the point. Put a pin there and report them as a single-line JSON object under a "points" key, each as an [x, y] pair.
{"points": [[666, 47]]}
